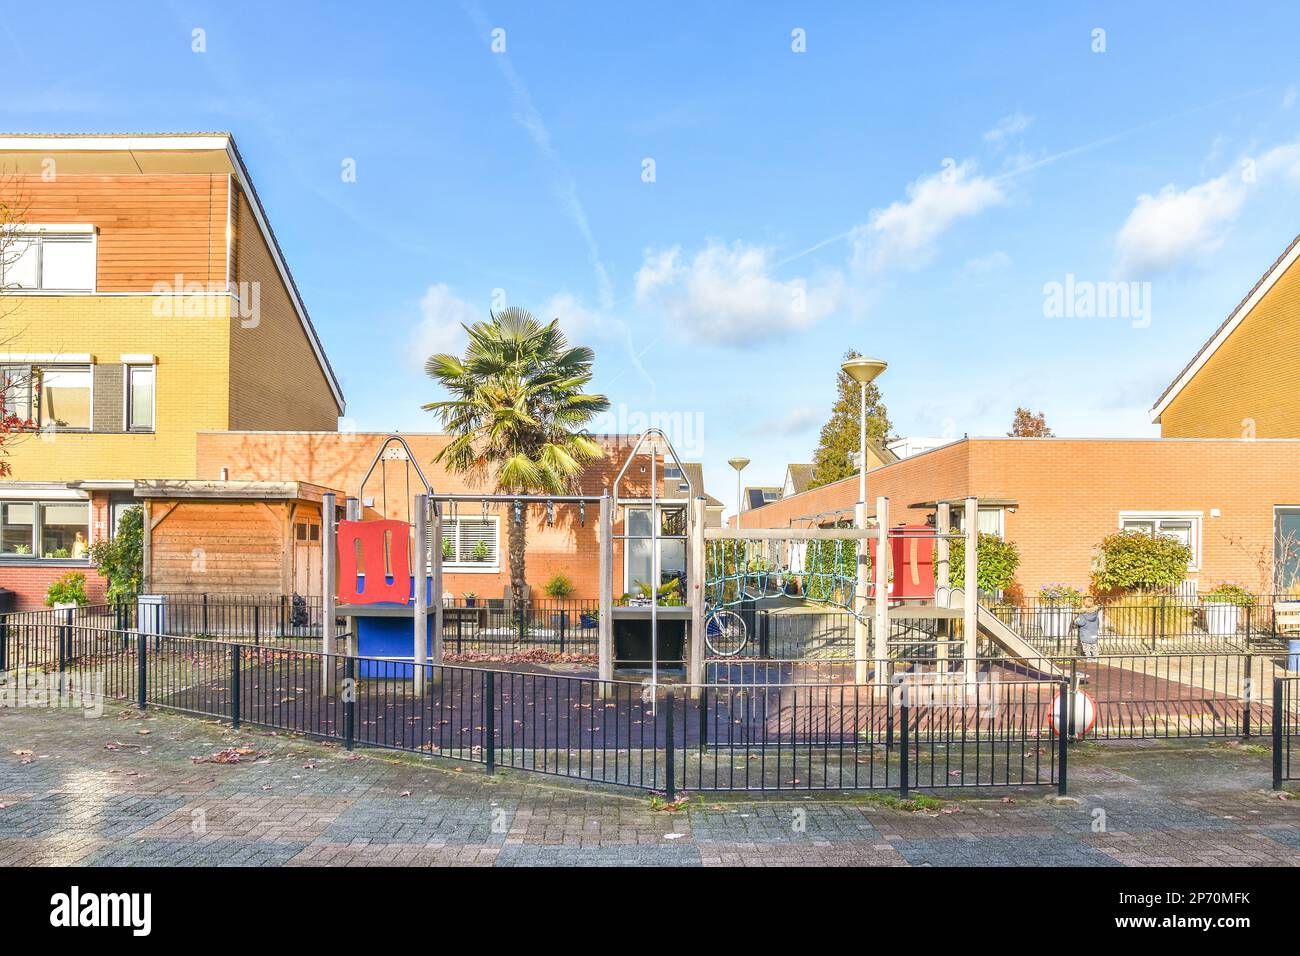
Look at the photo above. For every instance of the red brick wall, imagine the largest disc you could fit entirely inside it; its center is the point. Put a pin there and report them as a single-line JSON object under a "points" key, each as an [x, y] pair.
{"points": [[31, 581], [1070, 493]]}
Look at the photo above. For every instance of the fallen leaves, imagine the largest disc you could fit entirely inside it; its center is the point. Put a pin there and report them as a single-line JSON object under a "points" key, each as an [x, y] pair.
{"points": [[229, 755]]}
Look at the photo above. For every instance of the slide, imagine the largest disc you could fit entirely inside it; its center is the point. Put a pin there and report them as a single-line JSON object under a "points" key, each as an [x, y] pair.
{"points": [[991, 627]]}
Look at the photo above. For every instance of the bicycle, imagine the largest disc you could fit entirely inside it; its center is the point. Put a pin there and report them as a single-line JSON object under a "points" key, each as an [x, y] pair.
{"points": [[725, 632]]}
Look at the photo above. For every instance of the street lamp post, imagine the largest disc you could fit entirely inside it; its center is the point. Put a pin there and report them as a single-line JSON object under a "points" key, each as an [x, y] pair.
{"points": [[738, 464], [862, 370]]}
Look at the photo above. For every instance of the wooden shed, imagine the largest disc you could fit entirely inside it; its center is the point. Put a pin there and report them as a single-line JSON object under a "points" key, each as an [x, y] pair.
{"points": [[232, 537]]}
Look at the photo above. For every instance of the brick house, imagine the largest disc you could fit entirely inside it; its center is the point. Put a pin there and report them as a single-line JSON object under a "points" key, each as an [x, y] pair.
{"points": [[145, 300], [1224, 476]]}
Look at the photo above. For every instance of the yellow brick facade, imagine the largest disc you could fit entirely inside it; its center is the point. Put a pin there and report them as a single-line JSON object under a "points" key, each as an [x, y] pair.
{"points": [[193, 356], [275, 380], [1247, 386]]}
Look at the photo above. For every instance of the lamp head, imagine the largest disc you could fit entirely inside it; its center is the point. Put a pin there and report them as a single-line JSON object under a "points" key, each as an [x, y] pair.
{"points": [[738, 463], [863, 369]]}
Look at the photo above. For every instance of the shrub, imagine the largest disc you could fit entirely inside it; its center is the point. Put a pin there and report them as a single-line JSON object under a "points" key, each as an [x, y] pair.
{"points": [[996, 561], [68, 589], [1225, 592], [1137, 561], [1060, 595], [1148, 615], [121, 560], [559, 586]]}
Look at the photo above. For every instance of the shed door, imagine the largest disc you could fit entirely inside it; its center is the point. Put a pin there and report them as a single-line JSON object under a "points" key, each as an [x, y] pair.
{"points": [[307, 557]]}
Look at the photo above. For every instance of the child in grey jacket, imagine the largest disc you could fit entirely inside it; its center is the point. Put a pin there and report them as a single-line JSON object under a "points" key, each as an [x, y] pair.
{"points": [[1088, 625]]}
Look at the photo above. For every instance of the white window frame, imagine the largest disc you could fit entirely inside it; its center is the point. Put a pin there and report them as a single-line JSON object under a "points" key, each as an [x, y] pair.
{"points": [[1197, 519], [127, 369], [471, 567], [1273, 533], [34, 407], [959, 517], [38, 233]]}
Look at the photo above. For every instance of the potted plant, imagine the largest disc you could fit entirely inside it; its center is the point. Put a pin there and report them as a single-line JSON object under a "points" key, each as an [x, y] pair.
{"points": [[480, 552], [560, 588], [470, 598], [1223, 606], [448, 550], [67, 591], [1057, 605]]}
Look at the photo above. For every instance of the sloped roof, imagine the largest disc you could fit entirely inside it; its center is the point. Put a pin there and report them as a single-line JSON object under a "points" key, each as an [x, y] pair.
{"points": [[800, 476], [1234, 319], [695, 471]]}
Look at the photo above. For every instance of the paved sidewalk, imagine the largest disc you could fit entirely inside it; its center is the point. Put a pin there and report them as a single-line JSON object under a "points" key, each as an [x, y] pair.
{"points": [[126, 790]]}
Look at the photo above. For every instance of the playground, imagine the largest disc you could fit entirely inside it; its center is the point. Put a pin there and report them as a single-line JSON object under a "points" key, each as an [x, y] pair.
{"points": [[769, 659]]}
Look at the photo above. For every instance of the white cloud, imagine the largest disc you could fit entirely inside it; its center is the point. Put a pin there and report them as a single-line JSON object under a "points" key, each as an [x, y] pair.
{"points": [[1173, 227], [796, 421], [992, 262], [442, 313], [726, 294], [1008, 127], [904, 233], [579, 322]]}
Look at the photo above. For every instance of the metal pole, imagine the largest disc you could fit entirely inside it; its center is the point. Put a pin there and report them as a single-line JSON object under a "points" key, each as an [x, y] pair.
{"points": [[695, 587], [1280, 718], [654, 571], [420, 572], [1062, 735], [882, 591], [943, 571], [862, 446], [605, 611], [329, 590], [435, 558], [970, 589], [861, 601], [234, 687]]}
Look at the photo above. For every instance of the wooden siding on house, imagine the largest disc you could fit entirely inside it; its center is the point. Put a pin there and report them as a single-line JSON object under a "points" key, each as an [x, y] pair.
{"points": [[150, 228]]}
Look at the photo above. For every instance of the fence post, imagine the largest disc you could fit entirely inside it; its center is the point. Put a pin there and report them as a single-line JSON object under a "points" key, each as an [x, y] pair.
{"points": [[257, 623], [490, 719], [764, 636], [904, 771], [142, 669], [205, 614], [1250, 693], [349, 701], [1279, 721], [704, 721], [1249, 608], [4, 643], [670, 759], [64, 637], [283, 623], [1062, 738], [564, 620], [522, 613], [234, 687]]}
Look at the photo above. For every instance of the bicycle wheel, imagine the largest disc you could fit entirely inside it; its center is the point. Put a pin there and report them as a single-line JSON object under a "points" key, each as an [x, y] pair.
{"points": [[725, 633]]}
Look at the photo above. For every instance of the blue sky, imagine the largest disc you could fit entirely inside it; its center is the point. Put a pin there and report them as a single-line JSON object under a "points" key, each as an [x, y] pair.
{"points": [[908, 185]]}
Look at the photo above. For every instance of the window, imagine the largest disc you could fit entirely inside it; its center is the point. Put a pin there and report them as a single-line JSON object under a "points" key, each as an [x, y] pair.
{"points": [[770, 495], [990, 520], [46, 529], [51, 262], [637, 553], [1185, 526], [139, 397], [471, 544], [1286, 548], [49, 396]]}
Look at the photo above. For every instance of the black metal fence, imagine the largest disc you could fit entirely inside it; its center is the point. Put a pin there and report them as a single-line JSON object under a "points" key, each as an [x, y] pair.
{"points": [[1146, 623], [724, 737], [1286, 729]]}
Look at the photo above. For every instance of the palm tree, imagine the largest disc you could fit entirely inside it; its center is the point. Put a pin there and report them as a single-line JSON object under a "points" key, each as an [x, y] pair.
{"points": [[518, 412]]}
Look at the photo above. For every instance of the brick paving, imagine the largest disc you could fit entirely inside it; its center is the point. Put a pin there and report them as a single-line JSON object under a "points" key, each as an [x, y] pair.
{"points": [[124, 789]]}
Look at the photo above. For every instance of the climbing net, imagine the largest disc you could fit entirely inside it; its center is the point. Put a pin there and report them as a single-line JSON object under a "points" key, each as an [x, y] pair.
{"points": [[824, 571]]}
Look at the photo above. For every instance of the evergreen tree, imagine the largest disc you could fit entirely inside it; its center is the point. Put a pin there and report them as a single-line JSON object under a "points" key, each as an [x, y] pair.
{"points": [[839, 436]]}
